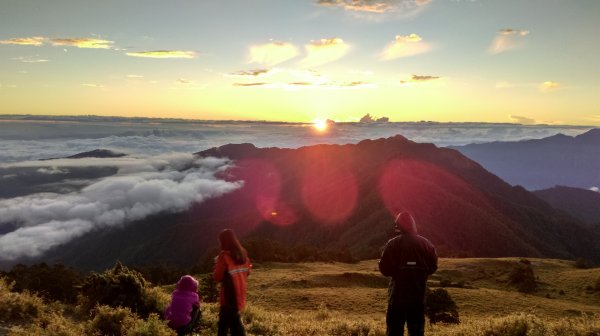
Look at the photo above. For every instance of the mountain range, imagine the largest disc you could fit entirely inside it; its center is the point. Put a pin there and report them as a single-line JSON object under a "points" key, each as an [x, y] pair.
{"points": [[572, 161], [344, 198]]}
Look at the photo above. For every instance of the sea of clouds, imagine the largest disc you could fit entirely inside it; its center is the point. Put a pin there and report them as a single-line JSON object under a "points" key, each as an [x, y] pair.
{"points": [[159, 173]]}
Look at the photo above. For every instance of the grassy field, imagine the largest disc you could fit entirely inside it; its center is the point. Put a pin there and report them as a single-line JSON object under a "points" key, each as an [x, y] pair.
{"points": [[349, 300]]}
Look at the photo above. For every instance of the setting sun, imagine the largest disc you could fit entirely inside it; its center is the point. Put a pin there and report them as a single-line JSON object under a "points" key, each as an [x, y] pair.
{"points": [[320, 125]]}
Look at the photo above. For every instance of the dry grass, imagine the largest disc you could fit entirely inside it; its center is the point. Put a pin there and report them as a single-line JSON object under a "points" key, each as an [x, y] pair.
{"points": [[350, 299]]}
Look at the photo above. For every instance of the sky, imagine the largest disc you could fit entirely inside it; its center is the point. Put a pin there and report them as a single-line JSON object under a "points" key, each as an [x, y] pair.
{"points": [[528, 62]]}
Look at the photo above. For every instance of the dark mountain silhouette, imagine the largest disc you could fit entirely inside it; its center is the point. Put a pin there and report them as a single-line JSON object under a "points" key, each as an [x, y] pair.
{"points": [[342, 198], [96, 153], [582, 204], [542, 163]]}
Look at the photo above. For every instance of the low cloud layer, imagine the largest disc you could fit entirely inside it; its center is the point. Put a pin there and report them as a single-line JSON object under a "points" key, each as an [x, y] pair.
{"points": [[36, 223], [32, 41], [405, 46], [508, 39]]}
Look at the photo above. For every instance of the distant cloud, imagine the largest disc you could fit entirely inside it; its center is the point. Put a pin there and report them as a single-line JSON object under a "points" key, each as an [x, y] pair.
{"points": [[324, 51], [251, 84], [32, 41], [595, 189], [309, 85], [522, 120], [405, 46], [163, 54], [250, 73], [135, 76], [272, 53], [93, 85], [549, 86], [419, 78], [24, 59], [405, 7], [507, 39], [83, 42], [167, 183]]}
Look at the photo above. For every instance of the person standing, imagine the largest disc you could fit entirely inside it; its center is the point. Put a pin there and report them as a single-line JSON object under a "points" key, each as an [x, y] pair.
{"points": [[408, 259], [232, 267]]}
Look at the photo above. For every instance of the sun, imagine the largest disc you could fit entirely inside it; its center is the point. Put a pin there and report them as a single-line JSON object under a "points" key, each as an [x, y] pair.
{"points": [[320, 125]]}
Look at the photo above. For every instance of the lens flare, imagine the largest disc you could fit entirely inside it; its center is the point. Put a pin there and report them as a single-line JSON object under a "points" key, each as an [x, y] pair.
{"points": [[320, 125]]}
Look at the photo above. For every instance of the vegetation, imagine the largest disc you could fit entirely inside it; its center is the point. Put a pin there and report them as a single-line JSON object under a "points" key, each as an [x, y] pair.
{"points": [[440, 307], [522, 277], [338, 299]]}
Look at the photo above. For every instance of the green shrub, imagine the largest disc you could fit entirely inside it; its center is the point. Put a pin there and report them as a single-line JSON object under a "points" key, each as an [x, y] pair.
{"points": [[207, 288], [51, 324], [18, 308], [440, 307], [523, 278], [153, 326], [111, 321], [57, 282], [583, 263], [121, 287]]}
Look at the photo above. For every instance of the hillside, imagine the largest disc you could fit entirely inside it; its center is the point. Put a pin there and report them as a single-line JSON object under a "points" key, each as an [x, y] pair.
{"points": [[580, 203], [342, 198], [542, 163]]}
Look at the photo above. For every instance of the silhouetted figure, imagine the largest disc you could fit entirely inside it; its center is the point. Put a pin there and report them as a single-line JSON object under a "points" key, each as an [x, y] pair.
{"points": [[232, 267], [409, 259], [183, 313]]}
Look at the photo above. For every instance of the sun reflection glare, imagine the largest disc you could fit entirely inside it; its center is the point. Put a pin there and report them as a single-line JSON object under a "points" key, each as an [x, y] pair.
{"points": [[320, 125]]}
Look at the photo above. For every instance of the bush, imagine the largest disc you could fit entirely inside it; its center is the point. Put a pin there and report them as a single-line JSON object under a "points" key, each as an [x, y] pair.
{"points": [[583, 263], [57, 282], [523, 278], [208, 288], [440, 307], [111, 321], [121, 287], [18, 308], [51, 324], [154, 326]]}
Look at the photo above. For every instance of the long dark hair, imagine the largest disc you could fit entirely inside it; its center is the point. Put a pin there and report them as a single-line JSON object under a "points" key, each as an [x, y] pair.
{"points": [[229, 242]]}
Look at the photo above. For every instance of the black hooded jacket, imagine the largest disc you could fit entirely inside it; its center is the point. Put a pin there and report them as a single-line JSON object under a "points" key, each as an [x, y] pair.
{"points": [[409, 259]]}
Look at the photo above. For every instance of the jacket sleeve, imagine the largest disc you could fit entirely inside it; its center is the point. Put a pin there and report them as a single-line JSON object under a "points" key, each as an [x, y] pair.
{"points": [[433, 261], [386, 264], [220, 268]]}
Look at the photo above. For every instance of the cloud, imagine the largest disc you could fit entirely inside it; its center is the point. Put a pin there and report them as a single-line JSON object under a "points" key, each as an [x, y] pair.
{"points": [[595, 189], [272, 53], [549, 86], [163, 54], [405, 46], [522, 120], [83, 42], [251, 84], [93, 85], [184, 81], [169, 183], [250, 73], [507, 39], [33, 41], [420, 79], [25, 59], [377, 7], [135, 76], [324, 51]]}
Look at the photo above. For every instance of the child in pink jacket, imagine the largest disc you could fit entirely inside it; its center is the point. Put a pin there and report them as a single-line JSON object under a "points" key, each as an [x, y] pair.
{"points": [[183, 313]]}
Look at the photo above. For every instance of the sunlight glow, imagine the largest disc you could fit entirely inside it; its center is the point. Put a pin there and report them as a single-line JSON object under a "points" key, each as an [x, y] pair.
{"points": [[320, 125]]}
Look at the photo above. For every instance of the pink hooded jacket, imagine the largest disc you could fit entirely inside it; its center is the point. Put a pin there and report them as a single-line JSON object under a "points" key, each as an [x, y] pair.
{"points": [[185, 296]]}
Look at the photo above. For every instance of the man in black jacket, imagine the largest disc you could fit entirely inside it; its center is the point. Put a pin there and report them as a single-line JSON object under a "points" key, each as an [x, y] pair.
{"points": [[409, 259]]}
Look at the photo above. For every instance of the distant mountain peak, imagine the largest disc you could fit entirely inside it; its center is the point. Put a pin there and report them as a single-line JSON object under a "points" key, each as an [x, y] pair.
{"points": [[589, 136], [97, 153]]}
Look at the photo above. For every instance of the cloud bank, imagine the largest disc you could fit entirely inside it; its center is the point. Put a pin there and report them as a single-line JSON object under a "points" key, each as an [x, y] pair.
{"points": [[377, 7], [36, 223]]}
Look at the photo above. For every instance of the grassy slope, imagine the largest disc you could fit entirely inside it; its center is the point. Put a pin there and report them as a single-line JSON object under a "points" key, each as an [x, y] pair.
{"points": [[345, 298]]}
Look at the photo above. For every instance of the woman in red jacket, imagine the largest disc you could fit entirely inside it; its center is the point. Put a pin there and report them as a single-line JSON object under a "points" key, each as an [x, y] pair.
{"points": [[232, 268]]}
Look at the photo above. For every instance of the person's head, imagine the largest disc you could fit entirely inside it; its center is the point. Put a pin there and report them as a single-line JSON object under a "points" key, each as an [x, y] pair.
{"points": [[229, 242], [187, 283], [405, 223]]}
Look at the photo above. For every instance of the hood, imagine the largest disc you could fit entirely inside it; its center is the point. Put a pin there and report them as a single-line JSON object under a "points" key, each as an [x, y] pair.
{"points": [[187, 283]]}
